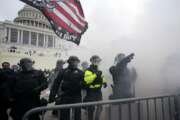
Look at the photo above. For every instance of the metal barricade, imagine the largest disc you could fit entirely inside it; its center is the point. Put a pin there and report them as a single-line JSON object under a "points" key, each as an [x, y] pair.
{"points": [[145, 108]]}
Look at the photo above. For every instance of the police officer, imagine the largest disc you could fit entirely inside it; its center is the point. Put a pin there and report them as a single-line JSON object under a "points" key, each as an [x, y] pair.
{"points": [[27, 87], [122, 77], [6, 77], [55, 72], [58, 69], [93, 81], [71, 84]]}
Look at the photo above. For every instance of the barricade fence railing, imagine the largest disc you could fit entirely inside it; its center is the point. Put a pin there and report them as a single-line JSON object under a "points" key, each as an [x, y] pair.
{"points": [[144, 108]]}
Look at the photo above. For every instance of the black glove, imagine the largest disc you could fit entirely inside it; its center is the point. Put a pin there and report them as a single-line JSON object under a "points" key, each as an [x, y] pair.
{"points": [[44, 102], [51, 99], [105, 85]]}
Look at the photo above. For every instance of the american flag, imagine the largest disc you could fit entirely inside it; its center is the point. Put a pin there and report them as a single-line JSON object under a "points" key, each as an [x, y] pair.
{"points": [[65, 16]]}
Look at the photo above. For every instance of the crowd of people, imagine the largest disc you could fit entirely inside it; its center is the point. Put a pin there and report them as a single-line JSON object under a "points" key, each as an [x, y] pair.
{"points": [[21, 86]]}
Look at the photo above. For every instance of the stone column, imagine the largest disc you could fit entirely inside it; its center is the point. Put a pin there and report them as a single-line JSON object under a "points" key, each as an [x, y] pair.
{"points": [[29, 37], [54, 41], [37, 24], [44, 44], [46, 41], [6, 36], [18, 36], [9, 36], [21, 37], [37, 41], [34, 23]]}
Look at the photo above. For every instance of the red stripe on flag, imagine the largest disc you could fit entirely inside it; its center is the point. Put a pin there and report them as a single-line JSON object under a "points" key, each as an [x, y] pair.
{"points": [[74, 11], [60, 22], [68, 16]]}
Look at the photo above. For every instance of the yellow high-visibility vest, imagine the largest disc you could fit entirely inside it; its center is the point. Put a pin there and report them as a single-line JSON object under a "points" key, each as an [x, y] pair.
{"points": [[89, 77]]}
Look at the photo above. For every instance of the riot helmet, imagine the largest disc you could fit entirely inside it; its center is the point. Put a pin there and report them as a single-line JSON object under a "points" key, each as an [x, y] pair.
{"points": [[73, 61], [26, 64], [95, 60]]}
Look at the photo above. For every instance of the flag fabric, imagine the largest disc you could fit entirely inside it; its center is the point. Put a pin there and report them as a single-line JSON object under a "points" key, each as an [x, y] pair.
{"points": [[65, 16]]}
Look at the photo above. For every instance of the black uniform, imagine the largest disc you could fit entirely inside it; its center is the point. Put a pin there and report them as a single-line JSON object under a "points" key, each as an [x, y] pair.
{"points": [[6, 77], [70, 80], [26, 92]]}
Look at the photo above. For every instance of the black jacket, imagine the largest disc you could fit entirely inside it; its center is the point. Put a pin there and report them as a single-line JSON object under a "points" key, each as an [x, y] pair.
{"points": [[70, 82], [26, 90], [29, 84]]}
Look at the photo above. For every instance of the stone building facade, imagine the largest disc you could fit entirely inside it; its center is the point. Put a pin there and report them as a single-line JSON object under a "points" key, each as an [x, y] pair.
{"points": [[29, 28]]}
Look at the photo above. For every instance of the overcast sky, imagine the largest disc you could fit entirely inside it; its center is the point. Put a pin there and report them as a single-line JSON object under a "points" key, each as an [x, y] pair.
{"points": [[149, 28], [120, 20]]}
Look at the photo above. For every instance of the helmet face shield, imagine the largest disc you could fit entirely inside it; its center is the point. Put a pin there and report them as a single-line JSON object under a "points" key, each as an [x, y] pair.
{"points": [[74, 64], [26, 64], [96, 61]]}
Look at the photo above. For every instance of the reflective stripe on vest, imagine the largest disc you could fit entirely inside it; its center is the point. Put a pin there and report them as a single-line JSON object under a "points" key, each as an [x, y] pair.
{"points": [[95, 86]]}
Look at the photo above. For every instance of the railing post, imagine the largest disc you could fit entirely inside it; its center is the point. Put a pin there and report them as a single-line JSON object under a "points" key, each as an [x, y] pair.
{"points": [[71, 113], [120, 111], [155, 109], [147, 108], [109, 112], [139, 110], [177, 108], [162, 103], [170, 108], [59, 114], [43, 115], [129, 111]]}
